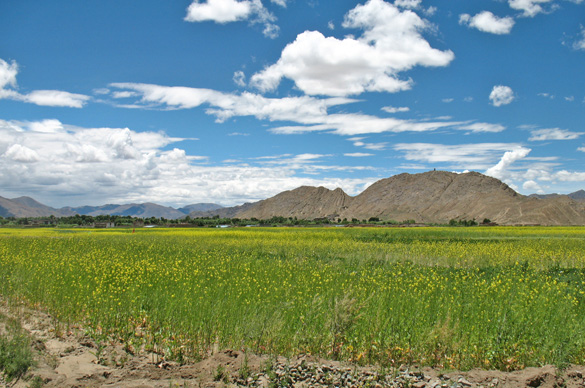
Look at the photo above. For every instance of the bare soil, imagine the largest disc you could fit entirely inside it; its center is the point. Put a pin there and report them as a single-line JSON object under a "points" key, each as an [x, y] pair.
{"points": [[71, 359]]}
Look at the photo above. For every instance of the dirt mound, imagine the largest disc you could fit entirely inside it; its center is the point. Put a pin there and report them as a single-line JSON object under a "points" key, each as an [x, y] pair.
{"points": [[70, 359]]}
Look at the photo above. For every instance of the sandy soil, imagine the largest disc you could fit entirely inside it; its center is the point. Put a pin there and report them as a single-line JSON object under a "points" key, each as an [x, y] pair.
{"points": [[69, 360]]}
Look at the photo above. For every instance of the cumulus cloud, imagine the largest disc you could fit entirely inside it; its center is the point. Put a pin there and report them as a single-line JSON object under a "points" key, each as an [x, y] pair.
{"points": [[390, 44], [65, 164], [553, 134], [228, 11], [57, 98], [487, 22], [219, 11], [501, 95], [582, 149], [500, 170], [532, 186]]}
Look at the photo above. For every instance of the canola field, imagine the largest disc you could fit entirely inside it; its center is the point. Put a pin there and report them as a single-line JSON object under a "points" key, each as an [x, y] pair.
{"points": [[488, 297]]}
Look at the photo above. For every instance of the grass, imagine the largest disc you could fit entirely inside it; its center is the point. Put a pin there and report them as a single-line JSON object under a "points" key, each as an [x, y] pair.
{"points": [[15, 350], [499, 297]]}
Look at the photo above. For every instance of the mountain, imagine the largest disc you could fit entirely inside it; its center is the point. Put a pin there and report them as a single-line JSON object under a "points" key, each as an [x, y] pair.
{"points": [[305, 202], [577, 195], [141, 210], [439, 196], [430, 197], [199, 207], [28, 207]]}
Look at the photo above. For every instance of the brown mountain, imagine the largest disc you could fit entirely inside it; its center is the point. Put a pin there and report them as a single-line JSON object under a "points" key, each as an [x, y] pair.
{"points": [[304, 202], [439, 196], [28, 207], [430, 197]]}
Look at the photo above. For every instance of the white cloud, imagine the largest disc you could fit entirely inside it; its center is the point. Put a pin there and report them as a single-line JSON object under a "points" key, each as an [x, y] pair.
{"points": [[553, 134], [67, 165], [546, 95], [240, 78], [8, 72], [412, 4], [501, 95], [582, 149], [469, 156], [391, 43], [529, 8], [228, 11], [447, 100], [309, 113], [392, 109], [487, 22], [579, 44], [125, 94], [358, 154], [304, 109], [219, 11], [20, 153], [55, 98], [482, 127], [532, 186], [500, 170]]}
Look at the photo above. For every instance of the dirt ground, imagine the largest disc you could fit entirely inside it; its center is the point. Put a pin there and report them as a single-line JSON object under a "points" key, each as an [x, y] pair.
{"points": [[70, 360]]}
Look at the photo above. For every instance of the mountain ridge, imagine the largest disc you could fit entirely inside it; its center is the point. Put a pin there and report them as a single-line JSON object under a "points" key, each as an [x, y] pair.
{"points": [[429, 197]]}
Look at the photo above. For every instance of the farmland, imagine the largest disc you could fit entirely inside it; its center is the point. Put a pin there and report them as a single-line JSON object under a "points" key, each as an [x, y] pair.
{"points": [[488, 297]]}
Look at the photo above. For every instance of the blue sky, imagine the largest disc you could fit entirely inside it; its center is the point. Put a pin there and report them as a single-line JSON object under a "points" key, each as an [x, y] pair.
{"points": [[231, 101]]}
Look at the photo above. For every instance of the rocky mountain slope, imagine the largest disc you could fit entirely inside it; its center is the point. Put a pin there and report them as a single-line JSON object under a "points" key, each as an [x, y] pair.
{"points": [[430, 197]]}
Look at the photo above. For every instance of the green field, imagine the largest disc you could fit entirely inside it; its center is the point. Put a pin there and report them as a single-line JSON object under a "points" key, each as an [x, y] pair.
{"points": [[489, 297]]}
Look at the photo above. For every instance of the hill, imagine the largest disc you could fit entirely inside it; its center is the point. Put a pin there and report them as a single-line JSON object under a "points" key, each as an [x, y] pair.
{"points": [[430, 197]]}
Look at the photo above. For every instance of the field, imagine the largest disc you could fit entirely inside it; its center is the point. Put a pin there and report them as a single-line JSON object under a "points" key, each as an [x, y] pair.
{"points": [[488, 297]]}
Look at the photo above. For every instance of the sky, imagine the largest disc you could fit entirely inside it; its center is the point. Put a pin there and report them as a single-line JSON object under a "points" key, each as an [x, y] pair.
{"points": [[232, 101]]}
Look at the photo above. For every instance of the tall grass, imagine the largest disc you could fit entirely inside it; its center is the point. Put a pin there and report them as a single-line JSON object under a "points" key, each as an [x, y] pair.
{"points": [[449, 297]]}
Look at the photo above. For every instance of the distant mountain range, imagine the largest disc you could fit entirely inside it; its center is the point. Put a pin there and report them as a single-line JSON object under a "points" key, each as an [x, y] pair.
{"points": [[430, 197], [577, 195], [28, 207]]}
